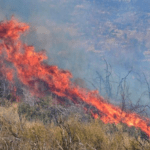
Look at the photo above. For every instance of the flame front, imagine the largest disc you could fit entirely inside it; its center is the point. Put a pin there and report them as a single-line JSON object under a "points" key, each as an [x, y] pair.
{"points": [[30, 69]]}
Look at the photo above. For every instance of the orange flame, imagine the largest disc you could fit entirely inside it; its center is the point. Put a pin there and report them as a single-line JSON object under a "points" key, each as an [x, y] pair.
{"points": [[31, 70]]}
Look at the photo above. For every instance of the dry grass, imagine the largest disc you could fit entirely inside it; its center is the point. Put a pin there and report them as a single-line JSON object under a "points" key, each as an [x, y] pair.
{"points": [[18, 133]]}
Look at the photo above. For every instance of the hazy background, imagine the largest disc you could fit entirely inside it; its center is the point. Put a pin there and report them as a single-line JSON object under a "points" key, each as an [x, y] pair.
{"points": [[82, 35]]}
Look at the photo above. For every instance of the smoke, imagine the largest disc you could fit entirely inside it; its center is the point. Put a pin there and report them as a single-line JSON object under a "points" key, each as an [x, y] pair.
{"points": [[53, 31], [77, 35]]}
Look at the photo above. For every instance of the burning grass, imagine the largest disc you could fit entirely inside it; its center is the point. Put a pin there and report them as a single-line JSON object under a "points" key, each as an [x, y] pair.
{"points": [[28, 70], [41, 124]]}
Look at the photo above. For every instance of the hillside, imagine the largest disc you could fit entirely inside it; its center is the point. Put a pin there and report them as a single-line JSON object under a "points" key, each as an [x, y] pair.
{"points": [[49, 126]]}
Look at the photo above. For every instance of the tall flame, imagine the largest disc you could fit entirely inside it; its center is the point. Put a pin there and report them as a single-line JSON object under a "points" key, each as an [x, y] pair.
{"points": [[31, 69]]}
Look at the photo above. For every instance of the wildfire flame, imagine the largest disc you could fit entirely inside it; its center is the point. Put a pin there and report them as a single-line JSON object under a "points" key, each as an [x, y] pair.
{"points": [[31, 69]]}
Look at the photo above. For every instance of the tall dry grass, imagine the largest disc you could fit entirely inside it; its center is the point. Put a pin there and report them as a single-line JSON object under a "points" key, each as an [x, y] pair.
{"points": [[17, 132]]}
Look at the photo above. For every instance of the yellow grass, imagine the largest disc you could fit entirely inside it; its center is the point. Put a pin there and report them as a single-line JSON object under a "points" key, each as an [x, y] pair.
{"points": [[18, 133]]}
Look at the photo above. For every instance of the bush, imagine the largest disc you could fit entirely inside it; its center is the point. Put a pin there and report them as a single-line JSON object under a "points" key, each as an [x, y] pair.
{"points": [[49, 126]]}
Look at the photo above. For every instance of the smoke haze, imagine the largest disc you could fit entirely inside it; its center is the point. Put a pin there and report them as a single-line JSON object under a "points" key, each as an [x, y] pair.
{"points": [[80, 35]]}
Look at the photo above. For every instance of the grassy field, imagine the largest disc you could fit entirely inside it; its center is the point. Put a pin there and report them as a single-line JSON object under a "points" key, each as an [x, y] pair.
{"points": [[49, 126]]}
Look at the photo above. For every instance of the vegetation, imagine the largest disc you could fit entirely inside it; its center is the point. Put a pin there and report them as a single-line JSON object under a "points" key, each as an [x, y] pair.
{"points": [[44, 124], [49, 126]]}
